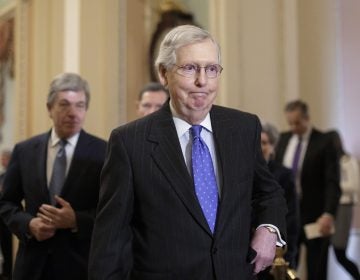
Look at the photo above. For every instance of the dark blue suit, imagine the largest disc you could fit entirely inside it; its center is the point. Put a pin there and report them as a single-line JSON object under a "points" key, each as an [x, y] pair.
{"points": [[65, 255]]}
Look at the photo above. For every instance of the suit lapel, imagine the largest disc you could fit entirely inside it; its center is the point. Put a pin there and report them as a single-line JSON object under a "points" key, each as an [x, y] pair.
{"points": [[79, 162], [224, 141], [168, 156], [310, 150], [40, 161]]}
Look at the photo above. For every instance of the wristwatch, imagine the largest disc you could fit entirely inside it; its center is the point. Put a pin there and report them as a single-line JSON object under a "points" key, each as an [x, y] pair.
{"points": [[271, 229]]}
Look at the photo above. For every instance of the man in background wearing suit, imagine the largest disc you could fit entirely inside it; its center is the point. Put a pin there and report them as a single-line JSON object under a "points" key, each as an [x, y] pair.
{"points": [[57, 175], [151, 98], [179, 187], [313, 158], [5, 234]]}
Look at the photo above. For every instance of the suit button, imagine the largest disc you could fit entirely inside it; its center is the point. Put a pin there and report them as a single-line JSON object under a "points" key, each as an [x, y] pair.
{"points": [[214, 250]]}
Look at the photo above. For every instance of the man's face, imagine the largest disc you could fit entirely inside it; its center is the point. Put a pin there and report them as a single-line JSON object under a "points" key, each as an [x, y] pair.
{"points": [[192, 97], [150, 102], [68, 112], [297, 121], [266, 147]]}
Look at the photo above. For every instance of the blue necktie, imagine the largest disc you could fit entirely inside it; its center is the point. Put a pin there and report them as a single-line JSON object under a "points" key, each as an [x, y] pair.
{"points": [[59, 169], [204, 177], [296, 159]]}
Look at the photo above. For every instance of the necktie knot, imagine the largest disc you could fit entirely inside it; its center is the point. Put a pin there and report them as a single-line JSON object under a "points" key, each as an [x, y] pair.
{"points": [[62, 143], [195, 131]]}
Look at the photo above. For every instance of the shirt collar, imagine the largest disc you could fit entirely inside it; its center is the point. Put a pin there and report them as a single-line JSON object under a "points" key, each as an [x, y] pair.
{"points": [[54, 138], [182, 126], [305, 136]]}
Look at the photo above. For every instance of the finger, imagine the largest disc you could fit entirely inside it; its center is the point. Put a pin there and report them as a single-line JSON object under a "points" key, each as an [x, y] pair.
{"points": [[61, 201], [48, 210], [45, 218]]}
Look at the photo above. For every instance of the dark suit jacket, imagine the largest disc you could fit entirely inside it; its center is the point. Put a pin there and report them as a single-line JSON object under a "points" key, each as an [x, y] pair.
{"points": [[149, 223], [320, 176], [285, 178], [67, 251]]}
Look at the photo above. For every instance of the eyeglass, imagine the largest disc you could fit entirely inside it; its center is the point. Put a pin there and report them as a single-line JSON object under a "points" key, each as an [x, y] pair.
{"points": [[189, 70]]}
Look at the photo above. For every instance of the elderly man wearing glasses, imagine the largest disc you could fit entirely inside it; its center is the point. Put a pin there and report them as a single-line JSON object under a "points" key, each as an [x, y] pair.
{"points": [[181, 187]]}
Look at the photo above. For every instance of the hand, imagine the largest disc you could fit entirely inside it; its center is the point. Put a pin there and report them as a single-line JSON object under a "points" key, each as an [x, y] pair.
{"points": [[264, 243], [41, 229], [63, 217], [326, 223]]}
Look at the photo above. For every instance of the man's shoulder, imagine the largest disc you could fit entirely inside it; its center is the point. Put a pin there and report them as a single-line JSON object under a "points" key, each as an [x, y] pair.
{"points": [[40, 138], [93, 138], [220, 111], [92, 144]]}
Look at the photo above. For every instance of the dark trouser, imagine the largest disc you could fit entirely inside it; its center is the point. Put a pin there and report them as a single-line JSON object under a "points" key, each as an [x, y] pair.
{"points": [[316, 258], [6, 248], [350, 266]]}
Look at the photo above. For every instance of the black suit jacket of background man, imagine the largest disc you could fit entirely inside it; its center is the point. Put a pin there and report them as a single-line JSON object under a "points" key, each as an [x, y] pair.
{"points": [[149, 223], [320, 173], [66, 252]]}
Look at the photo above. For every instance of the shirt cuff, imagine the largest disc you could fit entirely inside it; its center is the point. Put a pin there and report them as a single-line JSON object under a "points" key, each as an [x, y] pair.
{"points": [[279, 242]]}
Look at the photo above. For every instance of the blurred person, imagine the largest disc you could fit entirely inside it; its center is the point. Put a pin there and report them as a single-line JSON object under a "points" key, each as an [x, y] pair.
{"points": [[179, 186], [151, 98], [56, 174], [284, 176], [314, 161], [350, 184], [5, 234]]}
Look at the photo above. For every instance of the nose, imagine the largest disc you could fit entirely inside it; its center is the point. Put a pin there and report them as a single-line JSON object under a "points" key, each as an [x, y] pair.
{"points": [[201, 78], [72, 110]]}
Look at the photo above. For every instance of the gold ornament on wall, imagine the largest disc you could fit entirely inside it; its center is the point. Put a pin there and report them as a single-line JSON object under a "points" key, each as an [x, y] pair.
{"points": [[6, 63]]}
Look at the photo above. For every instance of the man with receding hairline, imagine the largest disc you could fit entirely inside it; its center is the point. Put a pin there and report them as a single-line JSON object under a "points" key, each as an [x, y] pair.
{"points": [[181, 187], [57, 175]]}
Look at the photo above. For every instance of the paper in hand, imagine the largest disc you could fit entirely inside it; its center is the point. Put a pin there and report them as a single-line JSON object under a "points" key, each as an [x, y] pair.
{"points": [[312, 231]]}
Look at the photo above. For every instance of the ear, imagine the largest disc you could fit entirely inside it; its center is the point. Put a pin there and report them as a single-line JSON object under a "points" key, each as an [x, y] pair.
{"points": [[48, 106], [137, 104], [162, 74]]}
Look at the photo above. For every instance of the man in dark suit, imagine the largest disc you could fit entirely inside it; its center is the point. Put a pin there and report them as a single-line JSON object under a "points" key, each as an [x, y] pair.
{"points": [[5, 234], [315, 163], [54, 225], [153, 220]]}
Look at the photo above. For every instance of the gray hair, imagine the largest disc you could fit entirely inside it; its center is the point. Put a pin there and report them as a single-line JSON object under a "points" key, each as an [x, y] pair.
{"points": [[272, 133], [178, 37], [68, 82]]}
